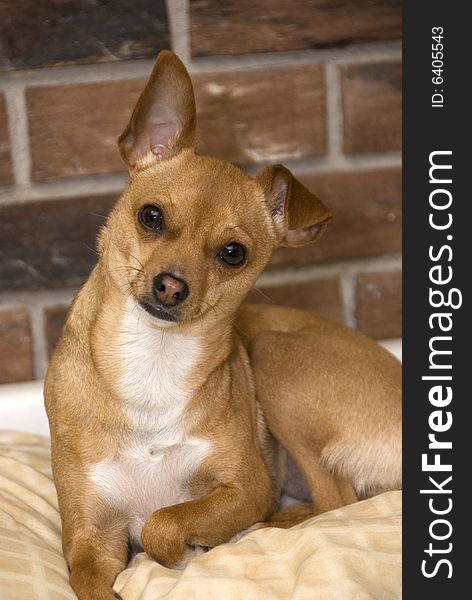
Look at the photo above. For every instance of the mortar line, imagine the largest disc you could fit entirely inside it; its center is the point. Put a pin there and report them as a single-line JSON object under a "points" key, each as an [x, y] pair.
{"points": [[179, 24], [355, 54], [345, 163], [18, 133], [64, 189], [382, 263], [42, 298], [333, 111], [141, 68], [35, 302], [347, 287], [39, 344], [115, 183]]}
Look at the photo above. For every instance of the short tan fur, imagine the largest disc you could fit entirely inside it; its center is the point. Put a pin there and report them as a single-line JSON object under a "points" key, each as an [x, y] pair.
{"points": [[164, 393]]}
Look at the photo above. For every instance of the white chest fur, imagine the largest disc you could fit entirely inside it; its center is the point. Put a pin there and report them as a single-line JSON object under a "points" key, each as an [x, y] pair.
{"points": [[159, 458]]}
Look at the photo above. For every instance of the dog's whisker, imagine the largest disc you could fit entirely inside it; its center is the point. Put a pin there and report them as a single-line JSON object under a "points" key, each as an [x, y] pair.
{"points": [[91, 249], [137, 260], [124, 267], [209, 305], [97, 215], [263, 295]]}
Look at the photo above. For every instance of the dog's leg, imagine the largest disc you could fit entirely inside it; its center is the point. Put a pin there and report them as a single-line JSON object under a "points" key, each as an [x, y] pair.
{"points": [[283, 519], [96, 556], [328, 496], [305, 443], [95, 542], [292, 515], [170, 533], [329, 492]]}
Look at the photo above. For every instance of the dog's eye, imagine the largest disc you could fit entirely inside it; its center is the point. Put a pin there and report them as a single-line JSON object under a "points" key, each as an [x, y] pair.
{"points": [[233, 254], [151, 218]]}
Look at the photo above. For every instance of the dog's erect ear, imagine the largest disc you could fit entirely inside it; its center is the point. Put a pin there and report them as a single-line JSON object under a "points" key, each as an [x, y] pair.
{"points": [[299, 216], [164, 119]]}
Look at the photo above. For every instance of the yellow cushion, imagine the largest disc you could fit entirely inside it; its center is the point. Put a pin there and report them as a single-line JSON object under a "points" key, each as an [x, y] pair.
{"points": [[350, 553]]}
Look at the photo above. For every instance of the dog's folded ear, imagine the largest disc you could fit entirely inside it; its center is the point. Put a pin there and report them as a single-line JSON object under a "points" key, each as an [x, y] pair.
{"points": [[164, 119], [299, 216]]}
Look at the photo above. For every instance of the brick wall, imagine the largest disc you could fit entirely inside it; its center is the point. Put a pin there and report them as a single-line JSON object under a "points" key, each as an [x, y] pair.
{"points": [[314, 84]]}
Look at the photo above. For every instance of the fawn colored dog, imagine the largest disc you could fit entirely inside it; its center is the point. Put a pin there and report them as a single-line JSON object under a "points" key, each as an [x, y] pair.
{"points": [[159, 439]]}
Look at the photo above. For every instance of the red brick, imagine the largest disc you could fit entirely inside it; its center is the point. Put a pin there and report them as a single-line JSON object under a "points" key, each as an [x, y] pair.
{"points": [[74, 128], [54, 320], [367, 217], [243, 118], [15, 346], [240, 26], [372, 103], [52, 32], [379, 304], [6, 176], [321, 297], [264, 116], [50, 244]]}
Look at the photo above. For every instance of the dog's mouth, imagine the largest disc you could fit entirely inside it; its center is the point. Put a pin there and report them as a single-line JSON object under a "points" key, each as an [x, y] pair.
{"points": [[158, 311]]}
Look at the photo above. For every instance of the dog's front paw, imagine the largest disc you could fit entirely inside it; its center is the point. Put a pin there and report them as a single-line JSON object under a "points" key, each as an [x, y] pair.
{"points": [[90, 586], [163, 539]]}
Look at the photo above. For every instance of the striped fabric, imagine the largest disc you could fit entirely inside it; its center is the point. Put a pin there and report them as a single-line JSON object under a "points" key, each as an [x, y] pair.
{"points": [[350, 553]]}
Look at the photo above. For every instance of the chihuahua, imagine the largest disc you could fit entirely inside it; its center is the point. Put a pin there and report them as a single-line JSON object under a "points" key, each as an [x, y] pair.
{"points": [[159, 439]]}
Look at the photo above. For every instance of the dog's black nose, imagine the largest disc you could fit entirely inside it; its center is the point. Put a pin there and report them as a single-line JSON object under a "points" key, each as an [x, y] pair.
{"points": [[169, 290]]}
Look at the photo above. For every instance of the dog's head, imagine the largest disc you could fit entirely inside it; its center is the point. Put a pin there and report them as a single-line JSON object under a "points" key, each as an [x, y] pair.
{"points": [[191, 234]]}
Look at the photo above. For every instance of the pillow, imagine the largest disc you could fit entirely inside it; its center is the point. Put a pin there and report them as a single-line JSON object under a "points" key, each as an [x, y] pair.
{"points": [[353, 552]]}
